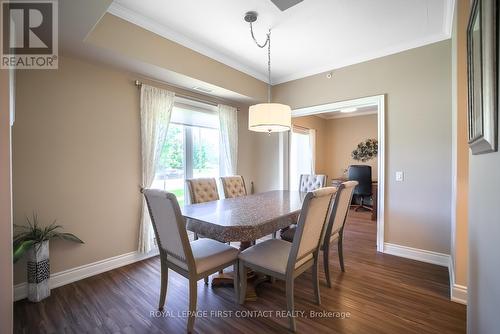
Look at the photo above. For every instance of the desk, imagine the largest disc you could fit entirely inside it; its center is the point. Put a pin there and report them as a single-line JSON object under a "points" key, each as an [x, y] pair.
{"points": [[339, 180]]}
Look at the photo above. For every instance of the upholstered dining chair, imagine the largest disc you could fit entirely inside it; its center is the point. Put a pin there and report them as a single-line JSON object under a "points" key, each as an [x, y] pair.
{"points": [[202, 190], [334, 230], [233, 186], [283, 260], [193, 260], [307, 182], [310, 182]]}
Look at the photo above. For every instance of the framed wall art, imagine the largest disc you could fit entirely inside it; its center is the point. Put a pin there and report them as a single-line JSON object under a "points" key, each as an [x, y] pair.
{"points": [[482, 76]]}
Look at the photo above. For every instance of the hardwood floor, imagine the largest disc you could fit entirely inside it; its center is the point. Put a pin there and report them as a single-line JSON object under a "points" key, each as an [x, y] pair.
{"points": [[380, 293]]}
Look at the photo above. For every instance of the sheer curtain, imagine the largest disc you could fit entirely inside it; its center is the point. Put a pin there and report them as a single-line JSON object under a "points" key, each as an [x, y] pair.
{"points": [[156, 109], [302, 154], [228, 133], [312, 147]]}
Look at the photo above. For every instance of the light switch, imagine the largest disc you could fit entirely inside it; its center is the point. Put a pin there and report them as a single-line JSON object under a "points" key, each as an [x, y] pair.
{"points": [[400, 176]]}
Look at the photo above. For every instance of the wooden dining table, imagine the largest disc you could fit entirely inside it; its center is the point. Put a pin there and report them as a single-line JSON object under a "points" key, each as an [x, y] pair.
{"points": [[243, 219]]}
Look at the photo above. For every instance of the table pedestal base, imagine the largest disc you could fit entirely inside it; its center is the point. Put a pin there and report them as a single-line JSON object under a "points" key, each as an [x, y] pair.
{"points": [[227, 278]]}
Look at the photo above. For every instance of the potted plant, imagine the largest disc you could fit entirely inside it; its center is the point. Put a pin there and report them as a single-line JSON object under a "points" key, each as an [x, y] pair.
{"points": [[33, 240]]}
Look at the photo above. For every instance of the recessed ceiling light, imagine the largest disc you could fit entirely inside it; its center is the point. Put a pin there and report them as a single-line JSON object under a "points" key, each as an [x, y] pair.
{"points": [[202, 89], [350, 109]]}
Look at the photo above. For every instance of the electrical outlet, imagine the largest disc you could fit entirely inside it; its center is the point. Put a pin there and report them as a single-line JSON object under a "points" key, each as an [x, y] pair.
{"points": [[400, 176]]}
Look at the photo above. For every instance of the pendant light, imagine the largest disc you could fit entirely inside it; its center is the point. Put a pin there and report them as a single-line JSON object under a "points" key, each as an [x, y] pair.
{"points": [[267, 117]]}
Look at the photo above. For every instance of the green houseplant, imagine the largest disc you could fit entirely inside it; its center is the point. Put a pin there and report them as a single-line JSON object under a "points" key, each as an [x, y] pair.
{"points": [[32, 240]]}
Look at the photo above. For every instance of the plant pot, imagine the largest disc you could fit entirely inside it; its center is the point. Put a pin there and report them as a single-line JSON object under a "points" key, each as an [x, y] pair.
{"points": [[38, 271]]}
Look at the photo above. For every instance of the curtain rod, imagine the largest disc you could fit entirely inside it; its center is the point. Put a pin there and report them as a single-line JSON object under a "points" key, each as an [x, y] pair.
{"points": [[188, 97]]}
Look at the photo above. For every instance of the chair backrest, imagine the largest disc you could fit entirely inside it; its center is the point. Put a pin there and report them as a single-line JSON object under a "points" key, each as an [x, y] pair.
{"points": [[233, 186], [339, 209], [309, 182], [311, 224], [362, 174], [202, 190], [169, 225]]}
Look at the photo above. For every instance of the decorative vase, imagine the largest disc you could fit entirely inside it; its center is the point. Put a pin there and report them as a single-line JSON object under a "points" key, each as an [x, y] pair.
{"points": [[38, 271]]}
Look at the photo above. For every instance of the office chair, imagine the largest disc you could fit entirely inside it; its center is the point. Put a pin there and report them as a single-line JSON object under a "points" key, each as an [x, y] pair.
{"points": [[362, 174]]}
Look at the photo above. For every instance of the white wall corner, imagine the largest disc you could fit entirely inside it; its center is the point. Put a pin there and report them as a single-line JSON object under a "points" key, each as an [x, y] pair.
{"points": [[78, 273]]}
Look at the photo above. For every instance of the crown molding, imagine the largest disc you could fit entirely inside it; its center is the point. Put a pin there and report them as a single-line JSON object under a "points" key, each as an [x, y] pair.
{"points": [[363, 58], [168, 33]]}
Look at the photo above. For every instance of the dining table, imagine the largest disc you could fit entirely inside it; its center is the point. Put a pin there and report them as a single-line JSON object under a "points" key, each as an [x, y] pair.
{"points": [[243, 219]]}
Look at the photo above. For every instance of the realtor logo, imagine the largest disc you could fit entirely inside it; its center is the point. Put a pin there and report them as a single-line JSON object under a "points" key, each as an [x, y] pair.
{"points": [[29, 35]]}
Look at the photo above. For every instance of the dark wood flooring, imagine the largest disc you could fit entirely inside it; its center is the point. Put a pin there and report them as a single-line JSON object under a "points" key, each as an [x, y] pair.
{"points": [[378, 293]]}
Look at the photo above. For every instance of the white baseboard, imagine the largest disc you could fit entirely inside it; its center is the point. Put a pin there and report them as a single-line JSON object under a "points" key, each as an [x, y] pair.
{"points": [[417, 254], [458, 293], [87, 270]]}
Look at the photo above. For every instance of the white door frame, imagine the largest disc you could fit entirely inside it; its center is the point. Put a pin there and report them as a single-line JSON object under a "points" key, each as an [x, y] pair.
{"points": [[376, 100]]}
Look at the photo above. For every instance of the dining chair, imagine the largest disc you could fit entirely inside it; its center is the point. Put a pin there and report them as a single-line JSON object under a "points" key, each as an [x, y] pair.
{"points": [[334, 230], [233, 186], [307, 182], [285, 261], [201, 190], [310, 182], [193, 260]]}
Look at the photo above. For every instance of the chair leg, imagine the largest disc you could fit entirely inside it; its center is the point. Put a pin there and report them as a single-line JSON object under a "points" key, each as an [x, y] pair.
{"points": [[326, 264], [195, 236], [274, 235], [243, 282], [205, 280], [290, 304], [341, 252], [163, 285], [193, 290], [236, 281], [315, 280]]}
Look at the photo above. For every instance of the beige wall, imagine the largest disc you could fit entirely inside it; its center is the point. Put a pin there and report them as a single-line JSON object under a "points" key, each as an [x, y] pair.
{"points": [[76, 158], [342, 137], [417, 84], [336, 139], [127, 39], [5, 206], [318, 124]]}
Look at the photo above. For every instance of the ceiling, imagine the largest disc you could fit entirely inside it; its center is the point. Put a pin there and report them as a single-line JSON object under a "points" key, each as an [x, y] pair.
{"points": [[360, 111], [312, 37]]}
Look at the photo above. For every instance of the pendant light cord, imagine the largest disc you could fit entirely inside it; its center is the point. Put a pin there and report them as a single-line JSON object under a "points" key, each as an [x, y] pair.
{"points": [[268, 43]]}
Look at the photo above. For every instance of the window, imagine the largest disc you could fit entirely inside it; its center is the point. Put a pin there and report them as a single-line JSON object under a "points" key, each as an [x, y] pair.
{"points": [[191, 149], [301, 154]]}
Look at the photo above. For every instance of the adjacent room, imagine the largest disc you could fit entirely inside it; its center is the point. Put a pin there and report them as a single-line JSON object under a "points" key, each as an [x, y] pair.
{"points": [[264, 166]]}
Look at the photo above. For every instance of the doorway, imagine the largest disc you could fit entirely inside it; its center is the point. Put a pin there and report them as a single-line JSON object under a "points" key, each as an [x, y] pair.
{"points": [[298, 149]]}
